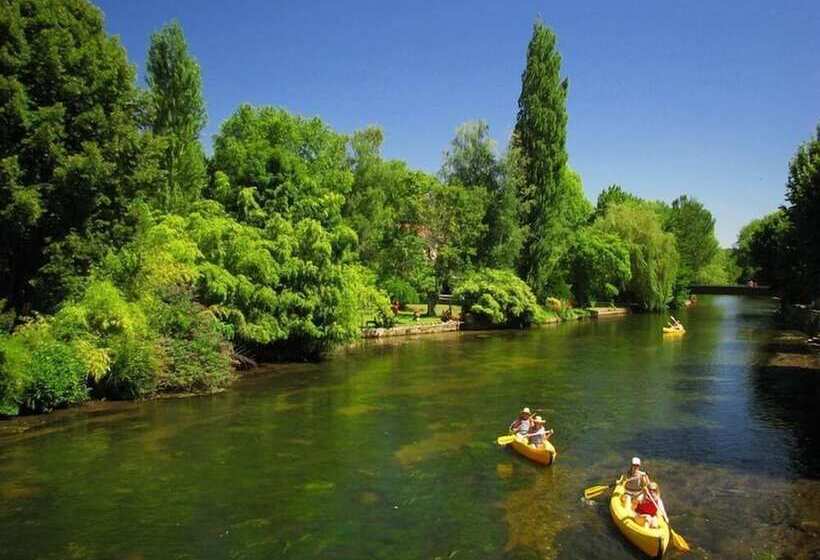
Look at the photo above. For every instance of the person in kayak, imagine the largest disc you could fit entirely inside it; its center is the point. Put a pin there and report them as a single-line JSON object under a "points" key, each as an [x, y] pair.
{"points": [[538, 434], [635, 481], [521, 425], [648, 506]]}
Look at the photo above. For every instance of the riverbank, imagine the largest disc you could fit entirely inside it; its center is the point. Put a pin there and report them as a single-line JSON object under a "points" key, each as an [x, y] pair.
{"points": [[791, 350], [453, 326]]}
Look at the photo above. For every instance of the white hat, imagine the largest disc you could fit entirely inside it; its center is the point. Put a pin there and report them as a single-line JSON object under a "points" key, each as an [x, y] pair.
{"points": [[526, 410], [538, 420], [636, 461]]}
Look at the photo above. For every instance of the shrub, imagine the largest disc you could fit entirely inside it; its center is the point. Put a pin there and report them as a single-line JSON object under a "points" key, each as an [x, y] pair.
{"points": [[401, 290], [58, 378], [118, 344], [196, 355], [38, 372], [554, 304], [498, 296]]}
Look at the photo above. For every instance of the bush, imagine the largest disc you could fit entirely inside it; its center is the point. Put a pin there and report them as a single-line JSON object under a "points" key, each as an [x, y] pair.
{"points": [[58, 378], [39, 372], [498, 296], [196, 355], [401, 290], [104, 320]]}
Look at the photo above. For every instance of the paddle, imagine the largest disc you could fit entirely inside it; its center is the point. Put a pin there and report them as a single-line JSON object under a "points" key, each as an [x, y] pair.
{"points": [[595, 491], [677, 541], [505, 440]]}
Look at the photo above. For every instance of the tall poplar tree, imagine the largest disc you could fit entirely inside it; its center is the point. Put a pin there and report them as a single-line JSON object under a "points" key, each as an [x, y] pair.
{"points": [[178, 115], [540, 136]]}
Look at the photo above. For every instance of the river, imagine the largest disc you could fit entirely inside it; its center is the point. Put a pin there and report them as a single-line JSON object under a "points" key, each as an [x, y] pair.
{"points": [[388, 451]]}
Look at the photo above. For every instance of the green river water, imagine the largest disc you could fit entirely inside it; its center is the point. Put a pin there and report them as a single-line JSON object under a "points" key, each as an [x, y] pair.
{"points": [[387, 451]]}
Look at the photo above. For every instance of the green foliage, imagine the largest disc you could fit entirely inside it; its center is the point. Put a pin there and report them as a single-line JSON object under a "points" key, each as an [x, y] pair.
{"points": [[195, 353], [548, 193], [38, 371], [599, 266], [499, 297], [721, 271], [177, 115], [763, 250], [471, 161], [610, 196], [298, 168], [104, 319], [71, 154], [453, 229], [652, 253], [694, 230], [400, 290], [803, 211]]}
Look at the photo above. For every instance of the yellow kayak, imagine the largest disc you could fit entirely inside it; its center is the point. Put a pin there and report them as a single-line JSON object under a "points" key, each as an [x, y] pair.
{"points": [[652, 542], [542, 455], [673, 330]]}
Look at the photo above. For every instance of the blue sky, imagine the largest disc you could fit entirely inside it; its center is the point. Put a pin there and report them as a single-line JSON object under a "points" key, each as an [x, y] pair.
{"points": [[704, 98]]}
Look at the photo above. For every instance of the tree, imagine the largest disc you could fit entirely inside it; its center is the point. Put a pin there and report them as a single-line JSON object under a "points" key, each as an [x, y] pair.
{"points": [[281, 163], [71, 155], [763, 250], [540, 135], [803, 211], [366, 207], [598, 266], [694, 230], [652, 253], [452, 229], [613, 194], [471, 161], [177, 115]]}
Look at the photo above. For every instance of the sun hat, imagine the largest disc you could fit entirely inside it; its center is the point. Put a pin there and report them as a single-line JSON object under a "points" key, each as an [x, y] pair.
{"points": [[636, 461], [526, 410], [538, 420], [653, 485]]}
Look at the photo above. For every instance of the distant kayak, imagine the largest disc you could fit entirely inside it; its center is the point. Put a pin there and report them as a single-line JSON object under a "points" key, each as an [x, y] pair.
{"points": [[673, 330], [652, 542]]}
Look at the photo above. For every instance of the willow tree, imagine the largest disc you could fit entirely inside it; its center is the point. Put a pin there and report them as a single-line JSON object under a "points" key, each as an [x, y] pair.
{"points": [[540, 137], [177, 115]]}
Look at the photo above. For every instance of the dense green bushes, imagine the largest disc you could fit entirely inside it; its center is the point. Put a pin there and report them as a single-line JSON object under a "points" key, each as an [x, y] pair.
{"points": [[498, 297]]}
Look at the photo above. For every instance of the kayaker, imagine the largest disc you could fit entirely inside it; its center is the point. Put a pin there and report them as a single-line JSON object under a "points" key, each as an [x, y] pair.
{"points": [[649, 506], [521, 425], [635, 482], [538, 434]]}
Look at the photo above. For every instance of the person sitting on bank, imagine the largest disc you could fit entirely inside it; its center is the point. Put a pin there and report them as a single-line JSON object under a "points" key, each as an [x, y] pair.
{"points": [[649, 506], [521, 425], [538, 433], [635, 481]]}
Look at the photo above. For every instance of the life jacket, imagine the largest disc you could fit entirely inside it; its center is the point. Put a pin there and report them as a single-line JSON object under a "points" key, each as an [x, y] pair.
{"points": [[633, 483], [522, 427], [646, 507]]}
